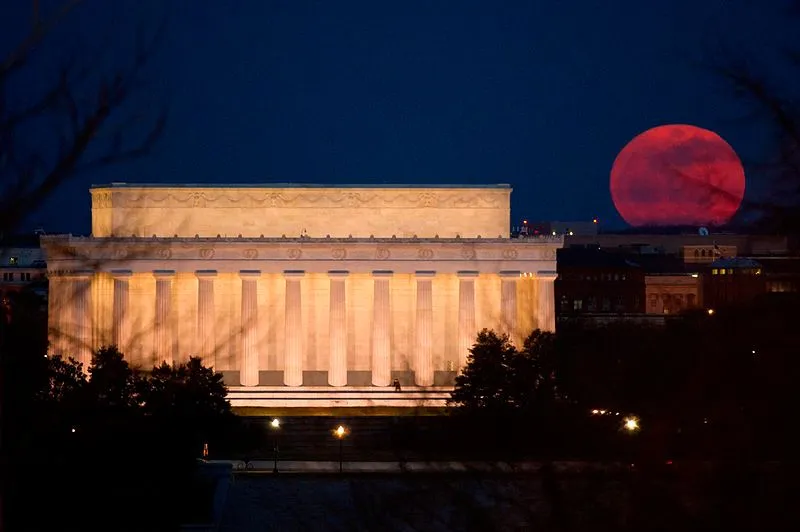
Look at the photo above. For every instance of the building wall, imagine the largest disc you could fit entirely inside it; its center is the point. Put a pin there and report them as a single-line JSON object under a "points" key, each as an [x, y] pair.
{"points": [[360, 212], [671, 294]]}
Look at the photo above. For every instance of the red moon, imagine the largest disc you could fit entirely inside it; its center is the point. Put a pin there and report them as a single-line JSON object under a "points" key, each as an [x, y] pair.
{"points": [[677, 175]]}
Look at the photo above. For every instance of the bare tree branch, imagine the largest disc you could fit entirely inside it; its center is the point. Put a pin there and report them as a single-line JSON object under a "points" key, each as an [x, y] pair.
{"points": [[86, 113], [41, 28]]}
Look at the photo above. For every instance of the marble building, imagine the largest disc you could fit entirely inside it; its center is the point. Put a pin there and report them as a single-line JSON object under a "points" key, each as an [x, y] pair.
{"points": [[301, 295]]}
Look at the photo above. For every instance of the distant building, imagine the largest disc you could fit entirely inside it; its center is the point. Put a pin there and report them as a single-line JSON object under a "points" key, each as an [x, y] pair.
{"points": [[672, 293], [596, 282], [685, 244], [732, 280], [680, 271], [565, 229], [782, 274], [22, 267]]}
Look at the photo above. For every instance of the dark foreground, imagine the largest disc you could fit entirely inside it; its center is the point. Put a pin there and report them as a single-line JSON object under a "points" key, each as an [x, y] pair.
{"points": [[674, 497]]}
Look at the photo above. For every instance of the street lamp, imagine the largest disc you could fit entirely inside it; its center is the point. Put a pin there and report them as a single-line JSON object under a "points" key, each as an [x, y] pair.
{"points": [[631, 424], [340, 433], [275, 425]]}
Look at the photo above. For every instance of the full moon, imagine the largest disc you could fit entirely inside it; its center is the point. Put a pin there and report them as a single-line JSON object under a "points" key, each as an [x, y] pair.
{"points": [[677, 175]]}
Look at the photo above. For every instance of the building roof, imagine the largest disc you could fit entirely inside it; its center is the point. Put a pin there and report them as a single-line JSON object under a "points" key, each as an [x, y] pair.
{"points": [[735, 262], [299, 185], [594, 258]]}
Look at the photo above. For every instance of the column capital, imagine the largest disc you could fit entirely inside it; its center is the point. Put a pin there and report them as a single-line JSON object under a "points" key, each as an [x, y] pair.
{"points": [[249, 274], [205, 273], [425, 274], [121, 274], [338, 274], [382, 274], [293, 274], [546, 275], [468, 274], [163, 274], [509, 274]]}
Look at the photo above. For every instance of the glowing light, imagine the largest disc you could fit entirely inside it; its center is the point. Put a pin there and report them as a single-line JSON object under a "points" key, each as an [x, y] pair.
{"points": [[525, 222], [340, 432], [631, 424], [554, 233], [711, 312], [602, 412], [594, 220], [695, 275], [571, 233], [275, 423], [595, 411], [73, 429]]}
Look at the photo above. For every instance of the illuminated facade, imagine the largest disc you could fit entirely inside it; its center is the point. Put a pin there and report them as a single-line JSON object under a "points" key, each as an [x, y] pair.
{"points": [[301, 295]]}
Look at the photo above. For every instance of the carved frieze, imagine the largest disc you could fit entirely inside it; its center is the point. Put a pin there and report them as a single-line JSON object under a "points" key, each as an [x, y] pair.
{"points": [[305, 249], [101, 199], [464, 198]]}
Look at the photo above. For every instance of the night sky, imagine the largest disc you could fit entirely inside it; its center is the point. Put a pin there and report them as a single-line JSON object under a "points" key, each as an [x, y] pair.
{"points": [[538, 94]]}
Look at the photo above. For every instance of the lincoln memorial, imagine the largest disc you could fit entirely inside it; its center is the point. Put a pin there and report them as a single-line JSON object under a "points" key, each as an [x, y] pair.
{"points": [[301, 295]]}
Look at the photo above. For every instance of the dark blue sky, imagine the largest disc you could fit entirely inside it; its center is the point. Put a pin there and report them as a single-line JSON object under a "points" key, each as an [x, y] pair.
{"points": [[538, 94]]}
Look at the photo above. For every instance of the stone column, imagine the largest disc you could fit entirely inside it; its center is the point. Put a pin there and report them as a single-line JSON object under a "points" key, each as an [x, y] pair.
{"points": [[122, 326], [337, 330], [508, 303], [546, 315], [381, 330], [162, 339], [423, 332], [248, 369], [466, 315], [293, 359], [59, 305], [81, 317], [206, 325]]}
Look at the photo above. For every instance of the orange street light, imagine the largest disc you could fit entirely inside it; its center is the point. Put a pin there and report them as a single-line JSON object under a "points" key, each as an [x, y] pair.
{"points": [[340, 433], [631, 424], [275, 424]]}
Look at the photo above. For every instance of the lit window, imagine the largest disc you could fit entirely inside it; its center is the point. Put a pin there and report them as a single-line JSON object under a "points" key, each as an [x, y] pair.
{"points": [[577, 304], [714, 271], [13, 261], [722, 271]]}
